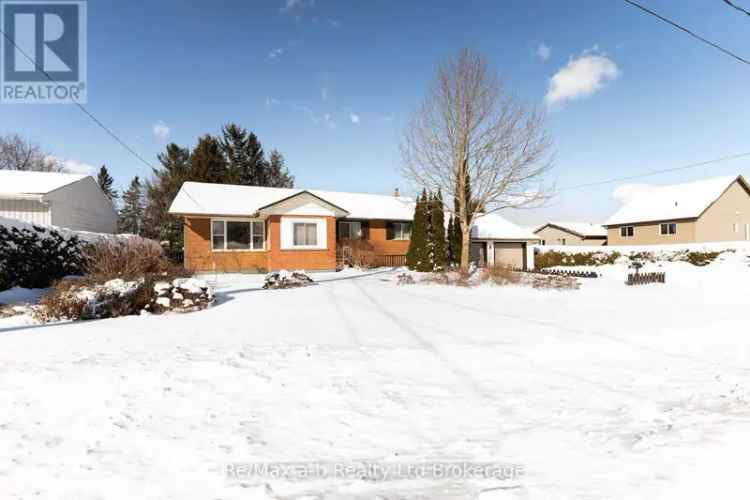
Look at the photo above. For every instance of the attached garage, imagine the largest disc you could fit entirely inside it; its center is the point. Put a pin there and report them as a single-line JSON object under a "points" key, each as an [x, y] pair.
{"points": [[510, 254], [498, 242]]}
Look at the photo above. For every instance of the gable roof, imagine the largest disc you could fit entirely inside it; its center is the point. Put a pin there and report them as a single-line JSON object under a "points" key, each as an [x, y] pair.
{"points": [[197, 198], [20, 183], [679, 201], [582, 229], [493, 226]]}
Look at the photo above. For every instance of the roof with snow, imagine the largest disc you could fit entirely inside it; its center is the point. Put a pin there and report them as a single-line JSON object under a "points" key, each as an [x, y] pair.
{"points": [[493, 226], [17, 182], [679, 201], [197, 198], [583, 229]]}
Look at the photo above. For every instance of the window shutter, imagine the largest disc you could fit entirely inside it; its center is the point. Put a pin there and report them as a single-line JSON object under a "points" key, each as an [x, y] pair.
{"points": [[365, 230]]}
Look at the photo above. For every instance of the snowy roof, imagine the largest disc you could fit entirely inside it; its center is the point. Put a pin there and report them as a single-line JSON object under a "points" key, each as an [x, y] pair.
{"points": [[679, 201], [493, 226], [228, 199], [584, 229], [16, 182]]}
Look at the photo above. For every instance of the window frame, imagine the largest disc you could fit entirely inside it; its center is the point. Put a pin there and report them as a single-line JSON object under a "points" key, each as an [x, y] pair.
{"points": [[401, 224], [624, 229], [349, 224], [314, 225], [669, 226], [251, 222]]}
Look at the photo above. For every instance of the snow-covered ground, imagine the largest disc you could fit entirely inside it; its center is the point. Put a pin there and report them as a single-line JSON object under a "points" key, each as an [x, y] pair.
{"points": [[604, 392]]}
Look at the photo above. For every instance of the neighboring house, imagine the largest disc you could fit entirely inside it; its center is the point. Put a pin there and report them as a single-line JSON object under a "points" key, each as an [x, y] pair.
{"points": [[572, 233], [54, 199], [230, 227], [497, 241], [716, 209]]}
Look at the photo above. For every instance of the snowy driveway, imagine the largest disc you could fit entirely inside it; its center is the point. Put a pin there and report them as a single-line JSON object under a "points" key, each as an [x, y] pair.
{"points": [[604, 392]]}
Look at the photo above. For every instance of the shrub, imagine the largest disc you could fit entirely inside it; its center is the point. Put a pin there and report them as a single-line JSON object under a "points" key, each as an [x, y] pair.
{"points": [[701, 258], [34, 258], [126, 258], [286, 279], [554, 258], [358, 253], [81, 299], [555, 282], [503, 275]]}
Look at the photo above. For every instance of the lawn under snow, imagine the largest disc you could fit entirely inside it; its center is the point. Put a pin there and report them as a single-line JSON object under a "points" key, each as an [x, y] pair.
{"points": [[604, 392]]}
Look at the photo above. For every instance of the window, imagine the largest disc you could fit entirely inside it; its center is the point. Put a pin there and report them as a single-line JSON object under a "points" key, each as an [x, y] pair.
{"points": [[305, 234], [666, 229], [237, 235], [401, 230], [627, 231], [350, 230]]}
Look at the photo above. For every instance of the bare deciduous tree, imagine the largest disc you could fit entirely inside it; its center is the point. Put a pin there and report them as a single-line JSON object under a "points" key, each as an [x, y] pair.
{"points": [[477, 143], [16, 153]]}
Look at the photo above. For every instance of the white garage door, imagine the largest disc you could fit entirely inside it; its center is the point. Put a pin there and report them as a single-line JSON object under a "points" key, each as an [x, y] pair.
{"points": [[509, 254]]}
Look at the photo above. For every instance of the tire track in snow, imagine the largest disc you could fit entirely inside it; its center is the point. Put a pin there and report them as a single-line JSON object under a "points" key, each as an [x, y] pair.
{"points": [[458, 372]]}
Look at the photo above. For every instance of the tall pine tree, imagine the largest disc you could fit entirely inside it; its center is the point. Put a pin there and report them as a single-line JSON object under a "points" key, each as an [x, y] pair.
{"points": [[105, 182], [277, 174], [131, 213], [161, 190], [207, 162], [244, 155], [437, 222], [417, 257]]}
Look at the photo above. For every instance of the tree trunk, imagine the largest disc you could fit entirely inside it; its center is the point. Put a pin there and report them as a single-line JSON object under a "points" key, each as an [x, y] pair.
{"points": [[465, 246]]}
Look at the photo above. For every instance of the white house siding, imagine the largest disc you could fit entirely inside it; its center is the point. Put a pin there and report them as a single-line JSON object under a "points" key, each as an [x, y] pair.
{"points": [[82, 206], [31, 211]]}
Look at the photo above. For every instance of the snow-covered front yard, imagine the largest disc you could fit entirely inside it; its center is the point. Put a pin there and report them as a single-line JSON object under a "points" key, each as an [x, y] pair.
{"points": [[604, 392]]}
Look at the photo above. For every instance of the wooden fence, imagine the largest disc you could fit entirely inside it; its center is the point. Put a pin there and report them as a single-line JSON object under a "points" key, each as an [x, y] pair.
{"points": [[390, 260], [574, 274], [646, 278]]}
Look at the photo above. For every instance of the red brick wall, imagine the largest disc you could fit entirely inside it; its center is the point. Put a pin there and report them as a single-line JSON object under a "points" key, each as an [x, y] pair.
{"points": [[200, 257], [378, 238]]}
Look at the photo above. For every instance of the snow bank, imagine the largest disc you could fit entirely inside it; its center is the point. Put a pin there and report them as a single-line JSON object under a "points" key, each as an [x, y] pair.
{"points": [[65, 232]]}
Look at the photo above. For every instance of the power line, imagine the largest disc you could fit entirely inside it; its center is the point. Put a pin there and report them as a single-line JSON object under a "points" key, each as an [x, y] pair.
{"points": [[655, 172], [735, 6], [80, 106], [686, 30]]}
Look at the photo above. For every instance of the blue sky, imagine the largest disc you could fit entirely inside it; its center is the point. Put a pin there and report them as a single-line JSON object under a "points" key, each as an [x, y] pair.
{"points": [[331, 85]]}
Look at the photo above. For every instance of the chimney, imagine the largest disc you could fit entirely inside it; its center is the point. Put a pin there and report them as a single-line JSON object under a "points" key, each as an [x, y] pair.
{"points": [[395, 193]]}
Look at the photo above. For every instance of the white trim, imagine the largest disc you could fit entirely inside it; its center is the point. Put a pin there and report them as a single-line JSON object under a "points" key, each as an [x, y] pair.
{"points": [[287, 233], [661, 227], [403, 224], [237, 219]]}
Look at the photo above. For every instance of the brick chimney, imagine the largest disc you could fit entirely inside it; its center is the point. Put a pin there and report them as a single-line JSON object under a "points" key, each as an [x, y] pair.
{"points": [[395, 193]]}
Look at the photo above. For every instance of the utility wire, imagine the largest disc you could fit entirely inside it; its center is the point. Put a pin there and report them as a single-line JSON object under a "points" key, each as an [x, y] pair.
{"points": [[655, 172], [735, 6], [81, 106], [691, 33]]}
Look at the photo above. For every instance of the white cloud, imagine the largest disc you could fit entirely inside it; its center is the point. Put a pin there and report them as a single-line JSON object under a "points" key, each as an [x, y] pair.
{"points": [[543, 51], [354, 117], [629, 192], [581, 77], [276, 53], [291, 5], [161, 130], [71, 166]]}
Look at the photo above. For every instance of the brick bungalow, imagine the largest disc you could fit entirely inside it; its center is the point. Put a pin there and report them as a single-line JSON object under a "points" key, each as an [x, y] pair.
{"points": [[247, 228]]}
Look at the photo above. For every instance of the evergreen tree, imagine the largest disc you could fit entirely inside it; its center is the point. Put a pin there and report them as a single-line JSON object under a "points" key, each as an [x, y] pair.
{"points": [[450, 256], [105, 183], [454, 241], [437, 223], [417, 257], [277, 173], [244, 156], [161, 190], [207, 163], [131, 213]]}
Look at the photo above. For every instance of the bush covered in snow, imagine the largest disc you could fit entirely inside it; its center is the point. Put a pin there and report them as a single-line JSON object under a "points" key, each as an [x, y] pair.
{"points": [[287, 279], [34, 256], [181, 295], [76, 299], [126, 258], [553, 258]]}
